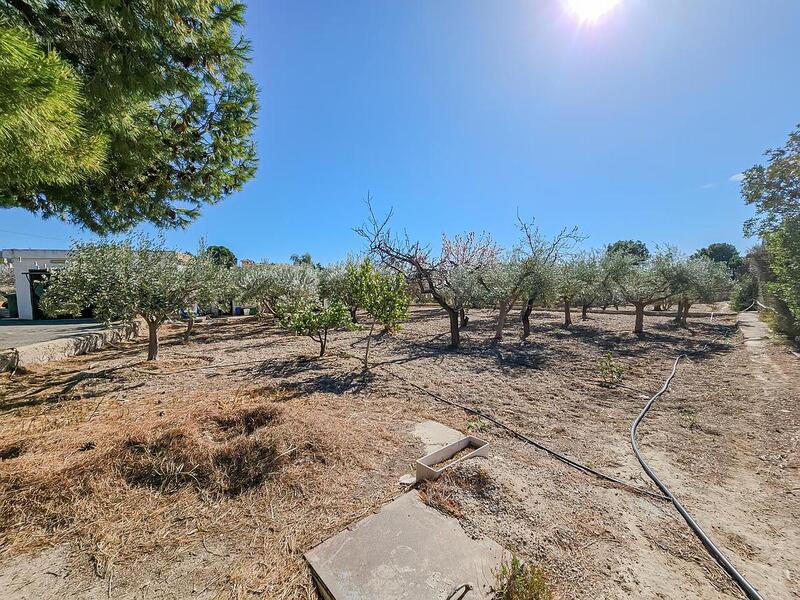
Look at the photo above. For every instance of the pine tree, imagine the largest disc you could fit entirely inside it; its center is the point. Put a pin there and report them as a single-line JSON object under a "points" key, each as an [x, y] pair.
{"points": [[166, 83], [44, 137]]}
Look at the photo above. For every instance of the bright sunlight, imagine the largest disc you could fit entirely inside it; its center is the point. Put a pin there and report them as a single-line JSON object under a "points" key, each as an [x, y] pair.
{"points": [[590, 11]]}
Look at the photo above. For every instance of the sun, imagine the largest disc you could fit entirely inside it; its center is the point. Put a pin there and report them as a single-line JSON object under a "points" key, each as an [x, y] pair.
{"points": [[590, 11]]}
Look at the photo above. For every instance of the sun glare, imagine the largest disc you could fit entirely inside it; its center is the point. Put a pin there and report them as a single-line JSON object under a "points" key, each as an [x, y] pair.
{"points": [[590, 11]]}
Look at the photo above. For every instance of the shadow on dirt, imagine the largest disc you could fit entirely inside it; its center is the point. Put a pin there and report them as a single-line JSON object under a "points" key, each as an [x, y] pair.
{"points": [[309, 375]]}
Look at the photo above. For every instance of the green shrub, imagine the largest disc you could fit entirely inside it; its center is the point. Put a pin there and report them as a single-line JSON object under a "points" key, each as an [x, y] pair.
{"points": [[744, 292], [610, 371]]}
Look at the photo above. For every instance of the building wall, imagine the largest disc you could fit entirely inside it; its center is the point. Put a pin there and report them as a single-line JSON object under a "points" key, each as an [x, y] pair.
{"points": [[23, 261]]}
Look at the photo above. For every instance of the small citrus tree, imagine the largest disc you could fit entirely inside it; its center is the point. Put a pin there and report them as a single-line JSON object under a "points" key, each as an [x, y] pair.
{"points": [[315, 320], [123, 280], [382, 294]]}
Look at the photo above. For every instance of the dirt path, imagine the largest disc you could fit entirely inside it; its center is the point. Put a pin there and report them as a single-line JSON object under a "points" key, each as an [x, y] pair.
{"points": [[757, 339]]}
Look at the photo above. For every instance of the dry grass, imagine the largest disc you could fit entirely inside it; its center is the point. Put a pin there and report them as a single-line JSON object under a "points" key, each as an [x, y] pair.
{"points": [[466, 478], [253, 474]]}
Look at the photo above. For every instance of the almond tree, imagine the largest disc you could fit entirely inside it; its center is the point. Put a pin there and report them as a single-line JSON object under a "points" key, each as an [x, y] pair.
{"points": [[450, 278]]}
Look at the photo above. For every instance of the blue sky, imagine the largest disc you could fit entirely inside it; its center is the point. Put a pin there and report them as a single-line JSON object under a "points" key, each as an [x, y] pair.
{"points": [[460, 113]]}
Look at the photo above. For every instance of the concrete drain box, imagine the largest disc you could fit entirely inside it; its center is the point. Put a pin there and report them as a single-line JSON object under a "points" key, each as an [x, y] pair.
{"points": [[406, 551], [435, 463]]}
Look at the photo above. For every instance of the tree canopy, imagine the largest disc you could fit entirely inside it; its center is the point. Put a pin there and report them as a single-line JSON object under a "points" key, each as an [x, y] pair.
{"points": [[165, 84], [634, 248], [221, 256], [774, 188], [44, 136], [137, 277], [722, 253], [783, 246]]}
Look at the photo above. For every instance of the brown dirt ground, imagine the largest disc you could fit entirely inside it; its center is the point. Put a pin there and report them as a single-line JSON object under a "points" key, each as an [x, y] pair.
{"points": [[74, 522]]}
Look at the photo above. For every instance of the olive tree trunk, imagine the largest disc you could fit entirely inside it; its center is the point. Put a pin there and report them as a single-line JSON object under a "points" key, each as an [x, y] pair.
{"points": [[639, 326], [679, 311], [567, 314], [584, 310], [353, 316], [152, 342], [686, 306], [526, 318], [503, 307], [189, 327], [463, 318]]}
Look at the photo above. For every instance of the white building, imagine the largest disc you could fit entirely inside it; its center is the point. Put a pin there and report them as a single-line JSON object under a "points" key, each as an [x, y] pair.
{"points": [[30, 269]]}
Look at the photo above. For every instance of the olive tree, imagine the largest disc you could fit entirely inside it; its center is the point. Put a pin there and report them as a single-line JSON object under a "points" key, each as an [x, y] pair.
{"points": [[698, 279], [504, 284], [270, 285], [211, 283], [593, 282], [641, 282], [519, 274], [449, 278], [568, 286], [122, 280], [539, 287], [579, 281]]}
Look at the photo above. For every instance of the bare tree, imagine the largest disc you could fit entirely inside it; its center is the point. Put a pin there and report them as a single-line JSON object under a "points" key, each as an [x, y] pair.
{"points": [[451, 278]]}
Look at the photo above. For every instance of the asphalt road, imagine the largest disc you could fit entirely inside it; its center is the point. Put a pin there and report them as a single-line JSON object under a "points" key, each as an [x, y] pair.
{"points": [[16, 332]]}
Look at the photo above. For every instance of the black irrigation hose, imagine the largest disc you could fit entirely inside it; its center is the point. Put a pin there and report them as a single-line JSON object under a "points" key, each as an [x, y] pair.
{"points": [[715, 552], [558, 456]]}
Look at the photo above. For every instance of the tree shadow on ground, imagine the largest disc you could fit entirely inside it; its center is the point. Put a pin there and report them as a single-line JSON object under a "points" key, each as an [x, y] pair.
{"points": [[513, 358], [67, 389], [309, 375], [703, 339]]}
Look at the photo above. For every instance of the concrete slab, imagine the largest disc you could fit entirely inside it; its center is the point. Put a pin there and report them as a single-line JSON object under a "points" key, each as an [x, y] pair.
{"points": [[407, 551], [435, 435]]}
